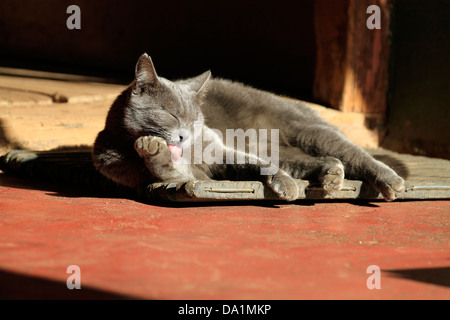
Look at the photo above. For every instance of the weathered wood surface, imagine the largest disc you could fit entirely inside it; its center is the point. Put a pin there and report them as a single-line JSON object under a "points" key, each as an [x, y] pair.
{"points": [[427, 179], [42, 114], [352, 60], [18, 91]]}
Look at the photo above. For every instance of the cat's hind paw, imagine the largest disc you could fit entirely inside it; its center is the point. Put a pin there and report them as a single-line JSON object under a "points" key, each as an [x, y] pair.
{"points": [[285, 187], [332, 178], [391, 187]]}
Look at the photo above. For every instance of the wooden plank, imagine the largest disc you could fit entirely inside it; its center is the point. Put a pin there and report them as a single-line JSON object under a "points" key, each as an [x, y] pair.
{"points": [[204, 191], [15, 98], [27, 73], [352, 60], [331, 24], [427, 179], [49, 126], [59, 91]]}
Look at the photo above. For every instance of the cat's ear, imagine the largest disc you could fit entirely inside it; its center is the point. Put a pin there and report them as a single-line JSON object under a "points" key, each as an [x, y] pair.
{"points": [[145, 73], [198, 83]]}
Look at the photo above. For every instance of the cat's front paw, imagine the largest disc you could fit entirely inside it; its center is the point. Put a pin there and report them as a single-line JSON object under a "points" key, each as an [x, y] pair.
{"points": [[391, 186], [149, 146], [332, 177], [284, 186]]}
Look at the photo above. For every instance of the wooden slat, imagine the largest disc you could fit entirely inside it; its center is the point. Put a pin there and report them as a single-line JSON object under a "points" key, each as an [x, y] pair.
{"points": [[427, 179], [352, 60], [57, 91]]}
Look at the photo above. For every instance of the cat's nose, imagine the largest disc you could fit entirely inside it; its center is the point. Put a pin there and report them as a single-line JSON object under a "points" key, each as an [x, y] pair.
{"points": [[183, 135]]}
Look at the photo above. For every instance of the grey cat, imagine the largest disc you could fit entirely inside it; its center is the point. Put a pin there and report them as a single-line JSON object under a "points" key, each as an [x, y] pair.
{"points": [[153, 122]]}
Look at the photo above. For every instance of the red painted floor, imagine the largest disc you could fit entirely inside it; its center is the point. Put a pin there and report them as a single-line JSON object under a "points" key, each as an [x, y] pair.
{"points": [[253, 250]]}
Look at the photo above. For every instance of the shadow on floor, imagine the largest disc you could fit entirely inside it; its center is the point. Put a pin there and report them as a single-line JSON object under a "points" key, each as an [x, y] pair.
{"points": [[14, 286], [437, 276]]}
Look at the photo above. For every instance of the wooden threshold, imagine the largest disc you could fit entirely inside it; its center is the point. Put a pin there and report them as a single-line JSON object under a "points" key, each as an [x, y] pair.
{"points": [[427, 178]]}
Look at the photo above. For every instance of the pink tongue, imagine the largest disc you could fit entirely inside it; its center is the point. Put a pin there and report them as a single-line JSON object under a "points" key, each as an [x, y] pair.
{"points": [[175, 151]]}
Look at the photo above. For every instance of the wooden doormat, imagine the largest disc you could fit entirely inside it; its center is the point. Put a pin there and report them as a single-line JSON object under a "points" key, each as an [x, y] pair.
{"points": [[426, 178]]}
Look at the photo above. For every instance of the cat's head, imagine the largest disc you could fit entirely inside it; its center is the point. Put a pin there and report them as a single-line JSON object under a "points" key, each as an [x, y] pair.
{"points": [[162, 108]]}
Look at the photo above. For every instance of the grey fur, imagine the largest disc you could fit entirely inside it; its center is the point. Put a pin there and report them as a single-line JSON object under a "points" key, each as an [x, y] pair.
{"points": [[132, 149]]}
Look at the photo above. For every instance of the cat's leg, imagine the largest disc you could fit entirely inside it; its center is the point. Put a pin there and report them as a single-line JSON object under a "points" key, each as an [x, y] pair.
{"points": [[323, 140], [331, 175], [280, 181], [129, 172], [328, 170], [119, 164], [158, 160], [283, 185], [237, 164], [257, 169]]}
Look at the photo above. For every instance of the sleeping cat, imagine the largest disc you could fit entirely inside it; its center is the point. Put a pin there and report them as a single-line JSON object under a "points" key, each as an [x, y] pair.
{"points": [[155, 122]]}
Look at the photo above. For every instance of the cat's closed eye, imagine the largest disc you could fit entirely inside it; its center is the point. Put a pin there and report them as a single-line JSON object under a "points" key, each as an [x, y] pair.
{"points": [[174, 116]]}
